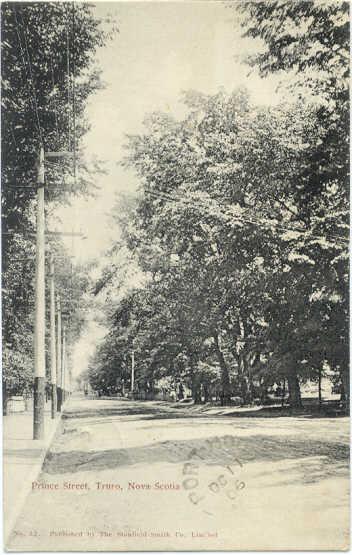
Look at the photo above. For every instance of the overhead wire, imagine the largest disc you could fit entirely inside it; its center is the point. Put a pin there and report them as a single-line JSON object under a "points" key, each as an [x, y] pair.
{"points": [[55, 103], [68, 83], [251, 220], [13, 137], [32, 89], [74, 93], [24, 67], [31, 74], [26, 63], [72, 139]]}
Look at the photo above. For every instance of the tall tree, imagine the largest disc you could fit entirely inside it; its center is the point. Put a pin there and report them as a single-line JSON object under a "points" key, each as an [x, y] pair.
{"points": [[47, 76]]}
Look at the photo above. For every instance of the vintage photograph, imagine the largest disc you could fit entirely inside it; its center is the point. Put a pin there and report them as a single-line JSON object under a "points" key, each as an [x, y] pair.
{"points": [[175, 243]]}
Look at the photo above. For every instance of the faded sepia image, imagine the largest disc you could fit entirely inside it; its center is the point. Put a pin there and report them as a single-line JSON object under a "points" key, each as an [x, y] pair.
{"points": [[175, 227]]}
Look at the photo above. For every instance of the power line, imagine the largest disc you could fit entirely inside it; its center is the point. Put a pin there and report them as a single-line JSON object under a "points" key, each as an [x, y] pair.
{"points": [[71, 80], [31, 78], [26, 63], [24, 68], [13, 137], [68, 70], [252, 220], [24, 232], [15, 187], [55, 103], [74, 92], [68, 82]]}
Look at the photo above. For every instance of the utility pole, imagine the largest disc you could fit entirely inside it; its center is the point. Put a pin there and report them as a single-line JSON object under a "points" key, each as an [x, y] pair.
{"points": [[132, 372], [70, 382], [39, 324], [63, 364], [52, 340], [58, 355]]}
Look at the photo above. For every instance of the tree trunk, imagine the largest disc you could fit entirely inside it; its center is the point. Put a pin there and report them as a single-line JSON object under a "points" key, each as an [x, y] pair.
{"points": [[252, 367], [345, 389], [342, 394], [319, 388], [4, 400], [197, 395], [241, 379], [206, 393], [294, 390], [263, 391], [195, 386], [196, 391], [225, 397], [246, 377], [283, 392]]}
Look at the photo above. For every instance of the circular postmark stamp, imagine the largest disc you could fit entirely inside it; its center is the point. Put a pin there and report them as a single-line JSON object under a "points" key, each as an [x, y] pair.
{"points": [[212, 476]]}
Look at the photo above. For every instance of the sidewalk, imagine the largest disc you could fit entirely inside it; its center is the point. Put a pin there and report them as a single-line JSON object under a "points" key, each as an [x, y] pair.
{"points": [[22, 460]]}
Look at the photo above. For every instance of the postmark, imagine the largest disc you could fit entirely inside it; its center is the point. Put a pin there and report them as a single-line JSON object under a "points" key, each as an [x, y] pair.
{"points": [[212, 477]]}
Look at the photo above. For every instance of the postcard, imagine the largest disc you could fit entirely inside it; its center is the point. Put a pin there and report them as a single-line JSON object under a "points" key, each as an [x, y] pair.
{"points": [[175, 240]]}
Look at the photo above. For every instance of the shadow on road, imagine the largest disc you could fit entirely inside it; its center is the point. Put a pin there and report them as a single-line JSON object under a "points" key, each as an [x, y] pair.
{"points": [[333, 456], [148, 411], [313, 460], [161, 410]]}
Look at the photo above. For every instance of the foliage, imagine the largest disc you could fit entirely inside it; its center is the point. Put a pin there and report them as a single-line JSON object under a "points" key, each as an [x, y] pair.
{"points": [[240, 226], [47, 78]]}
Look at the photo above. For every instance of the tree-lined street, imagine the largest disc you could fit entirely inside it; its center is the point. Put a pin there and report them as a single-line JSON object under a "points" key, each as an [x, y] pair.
{"points": [[239, 230], [127, 467], [175, 242]]}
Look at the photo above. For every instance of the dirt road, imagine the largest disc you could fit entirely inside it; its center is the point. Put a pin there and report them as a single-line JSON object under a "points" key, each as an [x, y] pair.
{"points": [[143, 476]]}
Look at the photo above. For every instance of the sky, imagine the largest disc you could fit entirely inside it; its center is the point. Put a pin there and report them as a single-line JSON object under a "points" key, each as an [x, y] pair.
{"points": [[161, 49]]}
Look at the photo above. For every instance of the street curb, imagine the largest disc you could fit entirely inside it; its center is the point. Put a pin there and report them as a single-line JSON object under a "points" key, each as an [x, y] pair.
{"points": [[32, 475]]}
